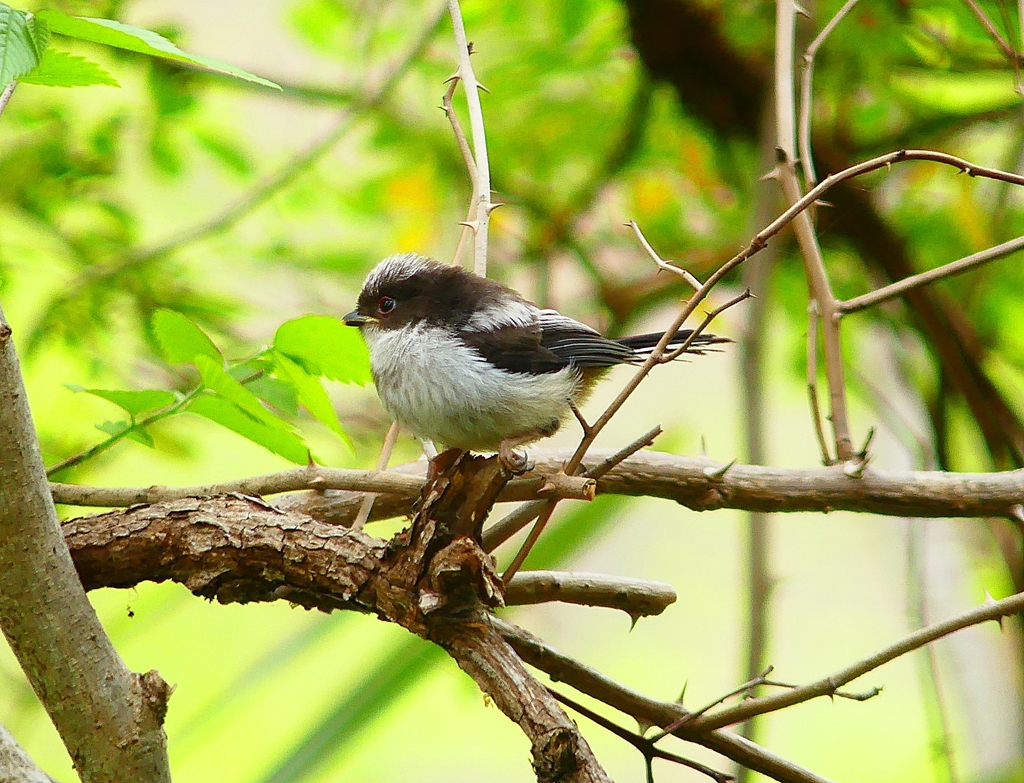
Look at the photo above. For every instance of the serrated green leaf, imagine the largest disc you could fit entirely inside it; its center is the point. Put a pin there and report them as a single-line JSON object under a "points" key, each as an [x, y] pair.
{"points": [[310, 393], [132, 402], [275, 393], [136, 39], [325, 346], [216, 378], [23, 39], [181, 340], [61, 69], [225, 413], [115, 428]]}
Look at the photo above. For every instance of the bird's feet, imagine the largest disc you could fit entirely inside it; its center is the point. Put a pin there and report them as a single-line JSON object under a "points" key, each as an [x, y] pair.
{"points": [[511, 460]]}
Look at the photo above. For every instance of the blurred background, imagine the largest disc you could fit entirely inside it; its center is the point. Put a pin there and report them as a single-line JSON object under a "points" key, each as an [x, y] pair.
{"points": [[221, 200]]}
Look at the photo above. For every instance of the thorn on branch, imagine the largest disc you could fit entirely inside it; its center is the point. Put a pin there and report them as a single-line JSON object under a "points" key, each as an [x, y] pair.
{"points": [[855, 468], [863, 453], [718, 473]]}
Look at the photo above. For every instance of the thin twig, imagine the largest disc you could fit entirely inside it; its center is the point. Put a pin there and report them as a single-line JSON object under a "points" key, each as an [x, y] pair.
{"points": [[587, 680], [990, 610], [691, 281], [893, 290], [538, 527], [467, 158], [5, 96], [813, 324], [514, 522], [704, 324], [760, 679], [992, 30], [482, 184], [646, 746], [382, 464], [821, 291], [807, 95], [134, 427]]}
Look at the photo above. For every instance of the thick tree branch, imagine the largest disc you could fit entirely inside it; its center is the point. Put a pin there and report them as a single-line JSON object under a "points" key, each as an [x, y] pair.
{"points": [[432, 579], [109, 718]]}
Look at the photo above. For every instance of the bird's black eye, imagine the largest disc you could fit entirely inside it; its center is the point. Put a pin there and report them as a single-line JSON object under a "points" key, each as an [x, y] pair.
{"points": [[385, 305]]}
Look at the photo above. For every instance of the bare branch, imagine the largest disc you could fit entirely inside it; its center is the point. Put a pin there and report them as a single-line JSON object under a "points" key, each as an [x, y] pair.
{"points": [[382, 464], [893, 290], [993, 31], [821, 291], [691, 281], [814, 323], [643, 744], [990, 610], [561, 668], [306, 477], [109, 718], [238, 549], [654, 474], [807, 94], [636, 597], [482, 184], [467, 158]]}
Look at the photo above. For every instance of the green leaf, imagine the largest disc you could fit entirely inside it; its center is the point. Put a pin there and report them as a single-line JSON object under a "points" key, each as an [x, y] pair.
{"points": [[23, 39], [115, 428], [216, 378], [325, 346], [61, 69], [310, 393], [275, 393], [136, 39], [133, 402], [181, 340], [225, 413]]}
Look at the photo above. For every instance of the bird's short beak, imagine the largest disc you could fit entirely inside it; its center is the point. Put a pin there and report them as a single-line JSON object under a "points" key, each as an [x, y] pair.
{"points": [[355, 318]]}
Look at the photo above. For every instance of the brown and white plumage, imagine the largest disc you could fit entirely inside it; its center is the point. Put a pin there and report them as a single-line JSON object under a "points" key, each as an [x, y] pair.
{"points": [[468, 362]]}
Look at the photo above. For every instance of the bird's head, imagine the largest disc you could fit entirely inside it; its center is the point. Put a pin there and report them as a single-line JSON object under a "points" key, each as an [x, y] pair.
{"points": [[410, 288]]}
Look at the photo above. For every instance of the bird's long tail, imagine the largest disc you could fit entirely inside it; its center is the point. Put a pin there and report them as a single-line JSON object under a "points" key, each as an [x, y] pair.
{"points": [[643, 344]]}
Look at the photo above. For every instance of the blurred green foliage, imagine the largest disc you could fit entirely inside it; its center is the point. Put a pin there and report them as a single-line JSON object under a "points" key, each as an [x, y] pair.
{"points": [[171, 248]]}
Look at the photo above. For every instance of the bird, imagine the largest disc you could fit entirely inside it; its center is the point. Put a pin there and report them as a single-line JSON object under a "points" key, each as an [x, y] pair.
{"points": [[466, 361]]}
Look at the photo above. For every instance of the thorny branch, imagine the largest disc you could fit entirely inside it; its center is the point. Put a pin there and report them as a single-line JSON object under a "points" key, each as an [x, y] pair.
{"points": [[699, 483], [482, 183]]}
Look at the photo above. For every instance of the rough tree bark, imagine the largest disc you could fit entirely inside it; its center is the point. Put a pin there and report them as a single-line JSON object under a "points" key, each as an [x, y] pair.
{"points": [[109, 718], [432, 579]]}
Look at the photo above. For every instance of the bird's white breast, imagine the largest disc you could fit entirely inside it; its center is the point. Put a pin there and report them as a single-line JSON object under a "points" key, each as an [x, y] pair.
{"points": [[441, 389]]}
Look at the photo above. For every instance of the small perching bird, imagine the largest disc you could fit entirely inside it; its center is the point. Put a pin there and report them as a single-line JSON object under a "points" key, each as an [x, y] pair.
{"points": [[468, 362]]}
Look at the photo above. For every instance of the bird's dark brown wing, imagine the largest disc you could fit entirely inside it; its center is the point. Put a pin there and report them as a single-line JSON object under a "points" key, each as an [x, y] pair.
{"points": [[554, 341], [550, 343]]}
